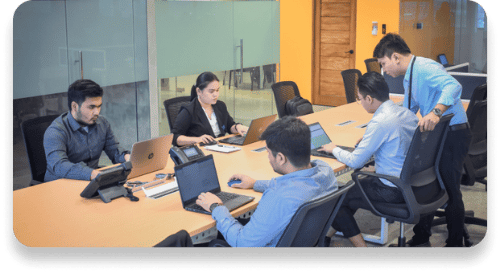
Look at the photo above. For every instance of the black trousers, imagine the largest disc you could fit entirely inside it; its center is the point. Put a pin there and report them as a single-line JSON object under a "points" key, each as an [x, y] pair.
{"points": [[455, 149], [376, 191]]}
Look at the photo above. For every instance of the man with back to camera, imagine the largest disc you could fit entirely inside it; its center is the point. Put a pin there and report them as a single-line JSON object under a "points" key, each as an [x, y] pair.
{"points": [[74, 141], [288, 144], [435, 93], [387, 138]]}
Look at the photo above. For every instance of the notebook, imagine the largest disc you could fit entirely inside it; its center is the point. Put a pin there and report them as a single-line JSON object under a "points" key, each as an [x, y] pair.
{"points": [[198, 176], [150, 155], [256, 128], [320, 138]]}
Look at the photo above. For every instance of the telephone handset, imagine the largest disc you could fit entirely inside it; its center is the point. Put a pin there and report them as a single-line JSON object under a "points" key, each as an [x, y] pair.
{"points": [[185, 154]]}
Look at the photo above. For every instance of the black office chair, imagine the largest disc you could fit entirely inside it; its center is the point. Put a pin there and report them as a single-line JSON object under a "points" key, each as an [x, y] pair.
{"points": [[179, 239], [284, 91], [350, 78], [475, 164], [269, 74], [33, 131], [309, 225], [173, 106], [479, 94], [420, 181], [372, 65]]}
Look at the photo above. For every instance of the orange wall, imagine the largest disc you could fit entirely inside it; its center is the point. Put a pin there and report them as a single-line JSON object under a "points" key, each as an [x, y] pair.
{"points": [[382, 11], [296, 36]]}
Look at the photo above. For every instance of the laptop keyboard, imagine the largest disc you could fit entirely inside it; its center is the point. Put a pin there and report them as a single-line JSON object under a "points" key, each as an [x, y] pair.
{"points": [[317, 153], [234, 140], [224, 197]]}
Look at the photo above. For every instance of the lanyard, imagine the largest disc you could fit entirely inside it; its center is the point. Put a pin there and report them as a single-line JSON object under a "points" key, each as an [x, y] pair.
{"points": [[411, 80]]}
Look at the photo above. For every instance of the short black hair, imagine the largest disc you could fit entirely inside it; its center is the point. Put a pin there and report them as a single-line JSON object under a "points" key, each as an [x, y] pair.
{"points": [[82, 89], [290, 136], [202, 82], [390, 44], [373, 84]]}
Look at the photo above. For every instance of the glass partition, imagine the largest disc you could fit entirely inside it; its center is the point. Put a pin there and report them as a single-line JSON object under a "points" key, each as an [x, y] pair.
{"points": [[58, 42], [193, 37], [456, 28]]}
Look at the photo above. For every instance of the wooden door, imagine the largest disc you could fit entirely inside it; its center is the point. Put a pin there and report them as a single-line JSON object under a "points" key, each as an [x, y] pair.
{"points": [[333, 51]]}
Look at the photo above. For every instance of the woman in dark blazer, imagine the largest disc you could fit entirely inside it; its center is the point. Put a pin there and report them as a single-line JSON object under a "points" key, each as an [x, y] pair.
{"points": [[204, 118]]}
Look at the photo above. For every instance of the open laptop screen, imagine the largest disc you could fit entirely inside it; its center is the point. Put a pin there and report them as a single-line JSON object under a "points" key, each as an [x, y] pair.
{"points": [[196, 177], [318, 136]]}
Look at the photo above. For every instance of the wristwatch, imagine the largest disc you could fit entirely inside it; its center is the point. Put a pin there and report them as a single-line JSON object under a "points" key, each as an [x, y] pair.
{"points": [[438, 112], [213, 205]]}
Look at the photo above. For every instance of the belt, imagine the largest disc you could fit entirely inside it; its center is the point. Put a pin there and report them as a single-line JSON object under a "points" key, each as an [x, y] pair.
{"points": [[461, 126]]}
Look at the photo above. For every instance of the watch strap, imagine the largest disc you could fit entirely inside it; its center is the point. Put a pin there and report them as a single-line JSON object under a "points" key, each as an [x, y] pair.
{"points": [[214, 205]]}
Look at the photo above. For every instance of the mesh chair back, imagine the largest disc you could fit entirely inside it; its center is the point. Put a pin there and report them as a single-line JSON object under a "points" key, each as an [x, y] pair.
{"points": [[33, 131], [350, 78], [372, 65], [173, 106], [284, 91], [421, 168], [478, 94], [476, 161], [312, 220]]}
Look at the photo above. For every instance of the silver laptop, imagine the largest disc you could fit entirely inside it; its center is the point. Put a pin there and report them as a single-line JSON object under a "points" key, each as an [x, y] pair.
{"points": [[150, 155], [256, 128], [198, 176]]}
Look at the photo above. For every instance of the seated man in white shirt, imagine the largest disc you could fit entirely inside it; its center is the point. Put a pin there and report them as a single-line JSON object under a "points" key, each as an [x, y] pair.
{"points": [[387, 138]]}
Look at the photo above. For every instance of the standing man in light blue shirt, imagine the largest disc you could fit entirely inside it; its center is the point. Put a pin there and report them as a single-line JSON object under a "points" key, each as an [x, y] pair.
{"points": [[288, 144], [430, 89], [387, 138]]}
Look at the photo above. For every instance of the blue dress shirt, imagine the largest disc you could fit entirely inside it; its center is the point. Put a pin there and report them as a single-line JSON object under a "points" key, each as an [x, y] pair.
{"points": [[73, 153], [387, 138], [433, 85], [281, 198]]}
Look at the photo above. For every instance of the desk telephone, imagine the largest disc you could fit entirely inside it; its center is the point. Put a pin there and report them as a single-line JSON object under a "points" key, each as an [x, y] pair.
{"points": [[185, 154]]}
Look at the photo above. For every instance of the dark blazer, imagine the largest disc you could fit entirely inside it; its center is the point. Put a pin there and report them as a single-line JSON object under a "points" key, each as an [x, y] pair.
{"points": [[193, 122]]}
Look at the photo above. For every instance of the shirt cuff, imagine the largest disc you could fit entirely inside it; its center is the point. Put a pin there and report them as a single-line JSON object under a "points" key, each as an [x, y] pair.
{"points": [[336, 151], [260, 185], [220, 212]]}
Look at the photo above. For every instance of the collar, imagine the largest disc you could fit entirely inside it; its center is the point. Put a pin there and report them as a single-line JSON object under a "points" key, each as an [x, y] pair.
{"points": [[387, 104], [75, 126], [301, 173], [408, 70]]}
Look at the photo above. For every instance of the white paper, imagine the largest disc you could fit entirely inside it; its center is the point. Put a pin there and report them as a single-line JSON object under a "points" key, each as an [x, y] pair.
{"points": [[222, 148], [165, 188]]}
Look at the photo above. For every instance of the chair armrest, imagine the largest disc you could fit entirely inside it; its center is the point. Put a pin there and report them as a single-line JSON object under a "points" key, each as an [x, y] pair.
{"points": [[405, 189]]}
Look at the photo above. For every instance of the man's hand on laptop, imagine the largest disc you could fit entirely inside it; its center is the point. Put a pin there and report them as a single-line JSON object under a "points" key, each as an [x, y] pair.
{"points": [[246, 181], [206, 199], [327, 147], [127, 157]]}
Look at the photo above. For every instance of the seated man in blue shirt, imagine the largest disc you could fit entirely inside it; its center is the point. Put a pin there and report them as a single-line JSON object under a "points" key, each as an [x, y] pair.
{"points": [[387, 138], [74, 141], [288, 144]]}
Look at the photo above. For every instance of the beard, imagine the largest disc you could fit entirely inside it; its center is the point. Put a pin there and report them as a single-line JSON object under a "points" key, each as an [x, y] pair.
{"points": [[81, 122]]}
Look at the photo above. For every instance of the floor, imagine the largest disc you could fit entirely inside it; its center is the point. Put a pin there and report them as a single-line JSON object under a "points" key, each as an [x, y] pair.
{"points": [[475, 198]]}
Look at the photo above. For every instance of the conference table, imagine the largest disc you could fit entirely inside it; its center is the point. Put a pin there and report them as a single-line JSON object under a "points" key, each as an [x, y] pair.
{"points": [[53, 214]]}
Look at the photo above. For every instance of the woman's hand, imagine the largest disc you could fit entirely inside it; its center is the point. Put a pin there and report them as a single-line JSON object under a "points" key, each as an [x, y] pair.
{"points": [[206, 139]]}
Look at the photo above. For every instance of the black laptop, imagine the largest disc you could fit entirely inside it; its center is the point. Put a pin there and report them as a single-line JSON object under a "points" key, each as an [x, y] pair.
{"points": [[198, 176], [256, 128], [320, 138]]}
